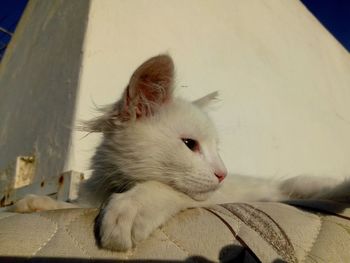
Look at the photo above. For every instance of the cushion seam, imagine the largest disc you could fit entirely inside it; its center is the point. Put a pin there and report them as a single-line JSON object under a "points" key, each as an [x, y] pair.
{"points": [[50, 238], [174, 242], [308, 250], [10, 215], [75, 241]]}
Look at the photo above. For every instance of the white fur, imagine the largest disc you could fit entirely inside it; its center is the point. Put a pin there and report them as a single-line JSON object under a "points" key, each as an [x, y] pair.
{"points": [[143, 173], [130, 217], [154, 149], [35, 203]]}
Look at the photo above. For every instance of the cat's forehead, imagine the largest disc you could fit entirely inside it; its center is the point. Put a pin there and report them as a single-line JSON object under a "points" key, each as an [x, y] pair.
{"points": [[189, 120]]}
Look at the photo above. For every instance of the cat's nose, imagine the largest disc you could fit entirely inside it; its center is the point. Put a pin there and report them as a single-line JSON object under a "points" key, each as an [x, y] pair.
{"points": [[220, 175]]}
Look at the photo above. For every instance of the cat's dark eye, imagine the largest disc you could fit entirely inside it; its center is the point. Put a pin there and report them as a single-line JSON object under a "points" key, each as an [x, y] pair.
{"points": [[193, 145]]}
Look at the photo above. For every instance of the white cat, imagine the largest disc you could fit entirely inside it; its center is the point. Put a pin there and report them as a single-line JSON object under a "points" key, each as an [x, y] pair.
{"points": [[159, 156]]}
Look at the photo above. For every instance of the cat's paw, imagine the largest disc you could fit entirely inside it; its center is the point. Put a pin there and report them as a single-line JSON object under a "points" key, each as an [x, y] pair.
{"points": [[123, 223], [34, 203], [130, 217], [115, 225]]}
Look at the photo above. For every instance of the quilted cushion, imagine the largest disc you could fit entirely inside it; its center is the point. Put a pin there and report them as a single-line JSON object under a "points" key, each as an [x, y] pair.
{"points": [[313, 231]]}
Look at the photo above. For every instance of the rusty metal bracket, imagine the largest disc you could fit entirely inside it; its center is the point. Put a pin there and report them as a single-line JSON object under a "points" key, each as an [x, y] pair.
{"points": [[61, 188], [19, 173], [25, 171]]}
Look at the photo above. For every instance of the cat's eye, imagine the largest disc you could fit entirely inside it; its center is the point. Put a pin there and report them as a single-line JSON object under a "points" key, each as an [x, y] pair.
{"points": [[193, 145]]}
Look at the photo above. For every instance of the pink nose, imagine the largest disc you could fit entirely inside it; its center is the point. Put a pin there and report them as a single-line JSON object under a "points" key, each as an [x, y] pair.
{"points": [[220, 175]]}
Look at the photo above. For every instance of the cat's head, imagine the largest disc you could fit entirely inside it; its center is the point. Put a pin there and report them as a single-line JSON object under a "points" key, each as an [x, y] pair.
{"points": [[151, 135]]}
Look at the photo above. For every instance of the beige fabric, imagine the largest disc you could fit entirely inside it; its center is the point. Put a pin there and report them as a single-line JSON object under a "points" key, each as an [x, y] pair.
{"points": [[246, 232]]}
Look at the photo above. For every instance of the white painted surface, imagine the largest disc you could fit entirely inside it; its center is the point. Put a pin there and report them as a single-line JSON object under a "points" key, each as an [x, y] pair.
{"points": [[284, 80]]}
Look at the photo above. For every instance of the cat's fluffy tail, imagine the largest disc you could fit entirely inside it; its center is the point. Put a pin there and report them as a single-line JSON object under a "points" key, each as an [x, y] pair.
{"points": [[312, 187], [341, 192]]}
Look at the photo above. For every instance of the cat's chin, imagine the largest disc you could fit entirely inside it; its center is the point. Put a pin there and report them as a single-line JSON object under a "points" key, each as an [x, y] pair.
{"points": [[196, 194], [201, 196]]}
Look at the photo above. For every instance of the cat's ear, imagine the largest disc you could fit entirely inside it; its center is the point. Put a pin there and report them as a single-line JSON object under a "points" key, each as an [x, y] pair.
{"points": [[206, 100], [150, 86]]}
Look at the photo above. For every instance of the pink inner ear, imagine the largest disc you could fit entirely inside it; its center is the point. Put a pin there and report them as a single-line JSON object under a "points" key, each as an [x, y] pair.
{"points": [[149, 88], [151, 95]]}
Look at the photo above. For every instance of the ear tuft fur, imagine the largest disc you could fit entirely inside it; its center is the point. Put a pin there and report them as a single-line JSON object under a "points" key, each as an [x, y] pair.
{"points": [[150, 86], [103, 123], [206, 100]]}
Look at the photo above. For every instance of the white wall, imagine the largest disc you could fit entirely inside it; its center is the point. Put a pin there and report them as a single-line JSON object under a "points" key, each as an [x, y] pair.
{"points": [[284, 80]]}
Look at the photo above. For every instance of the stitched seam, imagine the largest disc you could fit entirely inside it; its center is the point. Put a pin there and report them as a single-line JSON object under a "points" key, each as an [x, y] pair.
{"points": [[235, 235], [50, 238], [288, 252], [75, 241], [175, 242], [283, 233], [228, 226], [130, 252], [307, 251], [344, 226], [317, 258], [10, 215]]}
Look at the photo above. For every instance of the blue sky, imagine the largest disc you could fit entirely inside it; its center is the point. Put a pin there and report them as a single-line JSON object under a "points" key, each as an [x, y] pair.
{"points": [[333, 14], [10, 13]]}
